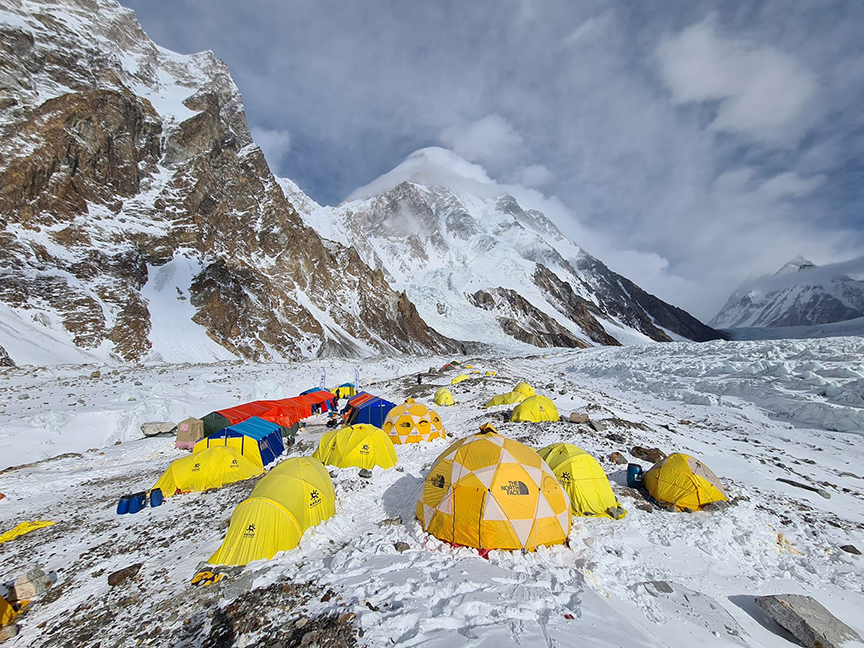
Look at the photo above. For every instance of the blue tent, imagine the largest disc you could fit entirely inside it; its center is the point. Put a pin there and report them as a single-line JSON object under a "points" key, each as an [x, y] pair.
{"points": [[373, 411], [267, 434], [309, 391]]}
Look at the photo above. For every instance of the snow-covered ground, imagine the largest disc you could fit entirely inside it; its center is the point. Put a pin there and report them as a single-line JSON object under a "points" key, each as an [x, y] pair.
{"points": [[753, 411]]}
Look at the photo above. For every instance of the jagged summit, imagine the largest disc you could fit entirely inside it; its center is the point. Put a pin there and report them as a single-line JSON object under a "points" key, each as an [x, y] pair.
{"points": [[795, 265]]}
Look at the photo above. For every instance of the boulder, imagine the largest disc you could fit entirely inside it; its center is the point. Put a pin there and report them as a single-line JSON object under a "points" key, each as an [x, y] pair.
{"points": [[152, 428], [121, 575], [617, 458], [32, 584], [8, 631], [391, 521], [365, 473], [852, 549], [578, 417], [648, 454], [807, 620], [598, 426], [401, 546]]}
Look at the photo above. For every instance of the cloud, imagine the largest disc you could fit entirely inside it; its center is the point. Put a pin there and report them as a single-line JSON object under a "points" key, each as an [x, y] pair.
{"points": [[536, 175], [762, 92], [489, 139], [274, 143]]}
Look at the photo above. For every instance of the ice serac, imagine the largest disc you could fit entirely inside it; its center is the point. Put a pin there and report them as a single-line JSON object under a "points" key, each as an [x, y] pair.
{"points": [[480, 266], [799, 294], [117, 157]]}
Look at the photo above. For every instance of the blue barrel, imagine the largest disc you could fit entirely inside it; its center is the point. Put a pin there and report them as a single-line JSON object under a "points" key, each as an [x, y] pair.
{"points": [[137, 502], [634, 475], [155, 497], [123, 505]]}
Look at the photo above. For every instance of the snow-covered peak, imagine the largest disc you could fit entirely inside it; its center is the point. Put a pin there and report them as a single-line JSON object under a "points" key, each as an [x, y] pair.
{"points": [[795, 265], [433, 167]]}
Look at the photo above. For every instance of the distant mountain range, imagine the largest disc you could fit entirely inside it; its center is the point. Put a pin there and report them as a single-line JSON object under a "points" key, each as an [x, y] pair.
{"points": [[140, 222], [799, 294]]}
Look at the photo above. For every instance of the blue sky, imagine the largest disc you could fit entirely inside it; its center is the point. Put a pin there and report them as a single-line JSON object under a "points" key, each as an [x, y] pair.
{"points": [[692, 143]]}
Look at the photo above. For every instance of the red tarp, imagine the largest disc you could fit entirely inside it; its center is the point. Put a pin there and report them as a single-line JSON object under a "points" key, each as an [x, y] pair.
{"points": [[285, 411], [242, 412], [359, 399]]}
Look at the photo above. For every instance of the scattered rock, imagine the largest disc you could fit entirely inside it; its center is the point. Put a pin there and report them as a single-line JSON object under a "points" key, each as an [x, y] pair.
{"points": [[648, 454], [685, 422], [819, 491], [302, 621], [617, 458], [365, 473], [121, 575], [345, 618], [32, 584], [852, 549], [7, 632], [597, 426], [645, 506], [401, 546], [95, 374], [23, 396], [616, 438], [807, 620], [152, 428], [391, 521], [716, 506], [578, 417]]}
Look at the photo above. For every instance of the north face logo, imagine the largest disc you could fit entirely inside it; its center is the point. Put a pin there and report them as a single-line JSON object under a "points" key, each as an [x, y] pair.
{"points": [[250, 531], [437, 481], [515, 488]]}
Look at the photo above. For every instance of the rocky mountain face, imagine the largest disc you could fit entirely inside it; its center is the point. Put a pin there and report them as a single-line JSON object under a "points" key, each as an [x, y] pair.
{"points": [[117, 158], [799, 294], [479, 266]]}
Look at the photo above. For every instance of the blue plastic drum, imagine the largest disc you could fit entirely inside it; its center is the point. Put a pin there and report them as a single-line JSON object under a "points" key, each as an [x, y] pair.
{"points": [[156, 497], [123, 505], [634, 475], [137, 502]]}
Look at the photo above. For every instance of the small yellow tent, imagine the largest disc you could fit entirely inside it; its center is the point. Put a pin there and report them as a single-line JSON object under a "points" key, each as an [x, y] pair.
{"points": [[584, 481], [491, 373], [536, 408], [412, 422], [7, 612], [294, 496], [524, 388], [686, 482], [491, 492], [444, 397], [363, 446], [211, 468], [460, 378], [245, 446], [506, 399]]}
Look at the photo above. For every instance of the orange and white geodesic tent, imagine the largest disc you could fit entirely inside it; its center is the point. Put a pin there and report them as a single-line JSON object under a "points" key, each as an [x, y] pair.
{"points": [[413, 422], [490, 492]]}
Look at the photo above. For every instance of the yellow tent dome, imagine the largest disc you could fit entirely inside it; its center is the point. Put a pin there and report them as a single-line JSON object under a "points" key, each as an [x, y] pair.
{"points": [[686, 482], [210, 468], [506, 399], [490, 373], [444, 397], [524, 388], [584, 481], [460, 378], [536, 408], [295, 495], [412, 422], [362, 445], [491, 492]]}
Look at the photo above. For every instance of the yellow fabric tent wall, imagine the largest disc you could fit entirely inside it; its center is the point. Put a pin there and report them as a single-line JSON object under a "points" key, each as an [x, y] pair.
{"points": [[460, 378], [524, 388], [491, 492], [536, 408], [444, 397], [412, 422], [363, 446], [584, 480], [7, 612], [684, 481], [294, 496], [506, 399], [210, 468], [246, 446]]}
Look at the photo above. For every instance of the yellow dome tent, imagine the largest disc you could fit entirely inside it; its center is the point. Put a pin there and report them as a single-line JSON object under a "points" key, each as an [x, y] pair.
{"points": [[490, 373], [211, 468], [524, 388], [491, 492], [363, 446], [245, 446], [460, 378], [506, 399], [686, 482], [412, 422], [294, 496], [536, 408], [444, 397], [584, 481]]}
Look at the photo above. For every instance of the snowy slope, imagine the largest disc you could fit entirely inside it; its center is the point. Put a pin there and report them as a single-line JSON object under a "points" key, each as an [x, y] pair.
{"points": [[481, 266], [799, 294], [753, 411]]}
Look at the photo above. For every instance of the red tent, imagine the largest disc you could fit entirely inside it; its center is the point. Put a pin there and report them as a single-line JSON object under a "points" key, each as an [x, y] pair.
{"points": [[242, 412]]}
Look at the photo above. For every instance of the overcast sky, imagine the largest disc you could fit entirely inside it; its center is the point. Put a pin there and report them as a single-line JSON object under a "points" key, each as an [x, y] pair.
{"points": [[691, 143]]}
